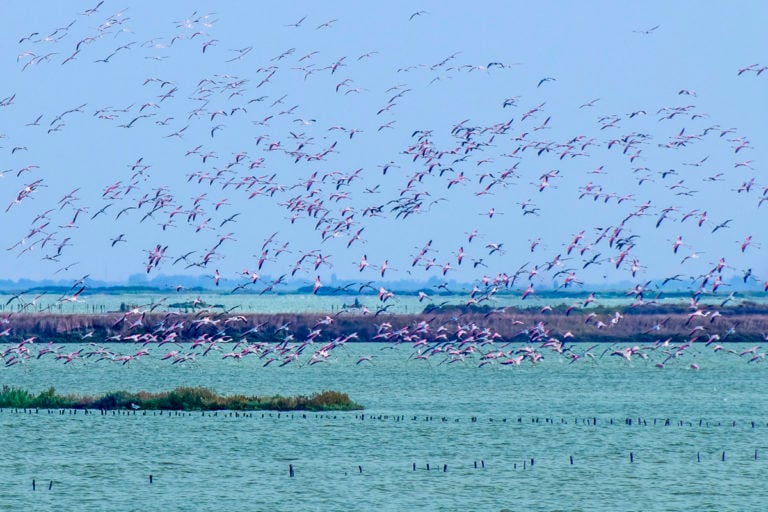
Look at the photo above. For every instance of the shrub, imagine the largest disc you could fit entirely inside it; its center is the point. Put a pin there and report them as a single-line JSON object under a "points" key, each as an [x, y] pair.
{"points": [[180, 399]]}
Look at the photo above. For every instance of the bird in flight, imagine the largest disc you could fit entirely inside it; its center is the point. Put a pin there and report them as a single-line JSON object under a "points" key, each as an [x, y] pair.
{"points": [[120, 238], [297, 24], [648, 31], [545, 79]]}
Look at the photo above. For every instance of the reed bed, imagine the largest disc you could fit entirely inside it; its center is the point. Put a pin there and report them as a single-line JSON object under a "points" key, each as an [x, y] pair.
{"points": [[742, 323], [179, 399]]}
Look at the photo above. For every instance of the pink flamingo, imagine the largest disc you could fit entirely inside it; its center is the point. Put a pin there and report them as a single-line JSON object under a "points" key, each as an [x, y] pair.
{"points": [[528, 291]]}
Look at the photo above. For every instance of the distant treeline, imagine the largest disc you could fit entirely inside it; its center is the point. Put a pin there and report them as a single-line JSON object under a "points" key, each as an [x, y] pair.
{"points": [[340, 289]]}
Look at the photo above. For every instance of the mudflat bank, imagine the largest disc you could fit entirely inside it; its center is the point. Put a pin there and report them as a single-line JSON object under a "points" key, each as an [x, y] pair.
{"points": [[746, 322]]}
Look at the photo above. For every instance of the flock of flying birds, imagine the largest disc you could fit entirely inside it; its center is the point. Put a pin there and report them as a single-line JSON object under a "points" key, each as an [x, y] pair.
{"points": [[302, 163], [186, 340]]}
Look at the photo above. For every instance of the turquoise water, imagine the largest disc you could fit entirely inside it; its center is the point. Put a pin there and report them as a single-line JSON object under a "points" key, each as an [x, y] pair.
{"points": [[450, 415]]}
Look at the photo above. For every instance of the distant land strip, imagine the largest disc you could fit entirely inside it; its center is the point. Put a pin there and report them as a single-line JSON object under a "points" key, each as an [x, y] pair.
{"points": [[745, 322]]}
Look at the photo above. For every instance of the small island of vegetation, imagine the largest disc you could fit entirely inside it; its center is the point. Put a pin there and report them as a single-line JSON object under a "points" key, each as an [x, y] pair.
{"points": [[180, 399]]}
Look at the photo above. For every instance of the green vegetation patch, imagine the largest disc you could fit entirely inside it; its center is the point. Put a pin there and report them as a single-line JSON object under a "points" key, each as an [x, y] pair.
{"points": [[180, 399]]}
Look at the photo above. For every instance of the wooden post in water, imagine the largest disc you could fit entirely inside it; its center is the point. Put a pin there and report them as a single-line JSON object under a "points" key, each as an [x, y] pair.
{"points": [[723, 458], [33, 484], [150, 479], [571, 460], [290, 470], [631, 457], [50, 485]]}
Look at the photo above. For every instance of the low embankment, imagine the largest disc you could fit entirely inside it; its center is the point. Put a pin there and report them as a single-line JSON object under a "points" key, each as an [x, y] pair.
{"points": [[743, 323]]}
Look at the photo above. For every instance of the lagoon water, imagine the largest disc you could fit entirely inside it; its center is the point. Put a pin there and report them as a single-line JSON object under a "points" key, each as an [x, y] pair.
{"points": [[520, 425], [99, 302]]}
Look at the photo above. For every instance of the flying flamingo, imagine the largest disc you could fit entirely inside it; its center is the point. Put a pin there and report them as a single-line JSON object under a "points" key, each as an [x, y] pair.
{"points": [[363, 263], [528, 291]]}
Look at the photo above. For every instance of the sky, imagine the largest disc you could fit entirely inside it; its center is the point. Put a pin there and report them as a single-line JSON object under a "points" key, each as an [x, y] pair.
{"points": [[566, 144]]}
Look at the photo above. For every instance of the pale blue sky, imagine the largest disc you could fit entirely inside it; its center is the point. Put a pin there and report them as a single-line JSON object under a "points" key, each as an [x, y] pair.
{"points": [[660, 80]]}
